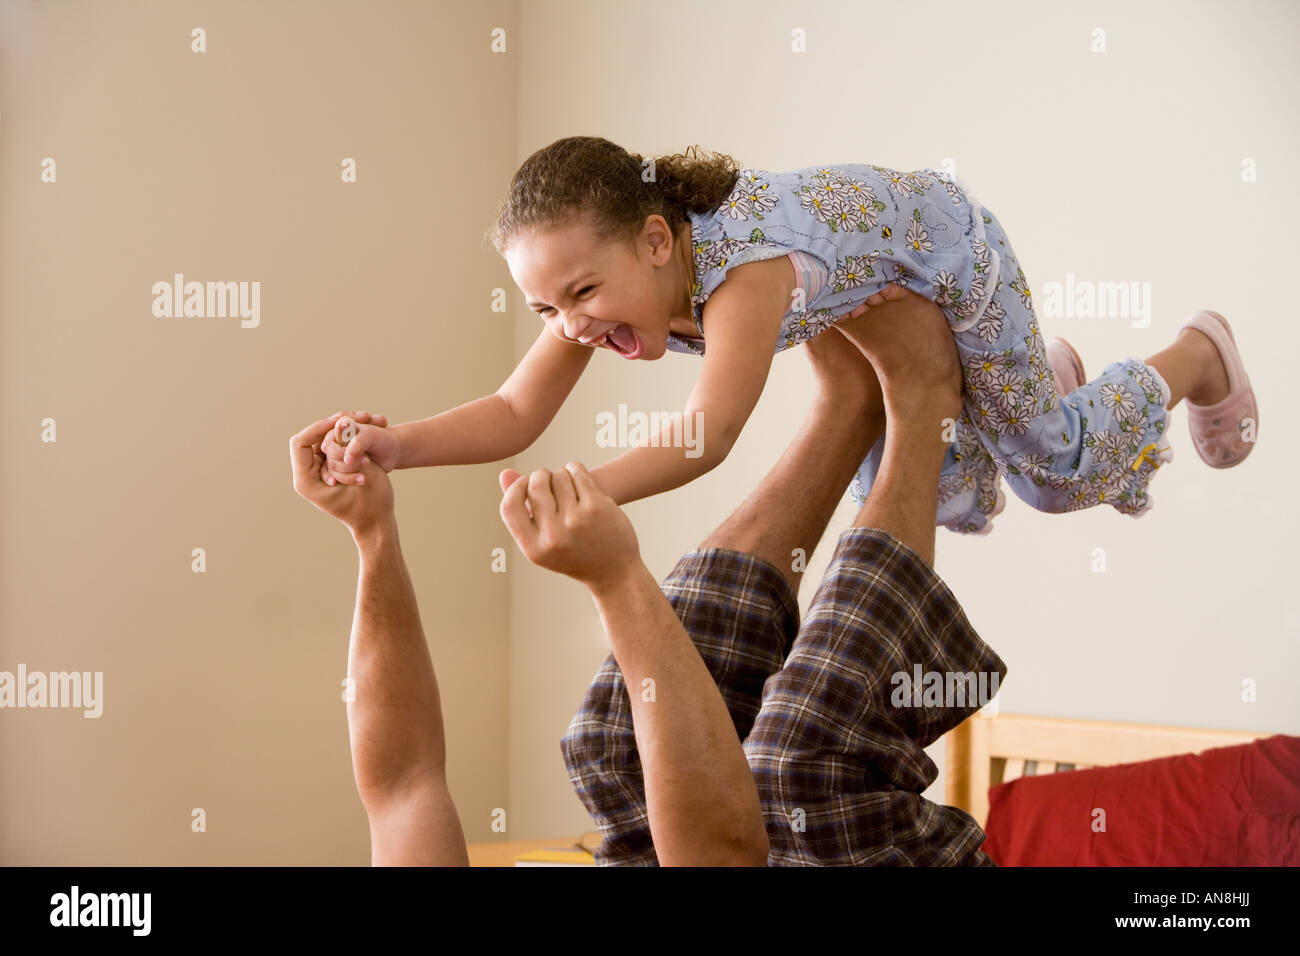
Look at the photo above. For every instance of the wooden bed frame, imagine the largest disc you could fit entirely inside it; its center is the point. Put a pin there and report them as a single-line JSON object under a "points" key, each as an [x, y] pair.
{"points": [[986, 751]]}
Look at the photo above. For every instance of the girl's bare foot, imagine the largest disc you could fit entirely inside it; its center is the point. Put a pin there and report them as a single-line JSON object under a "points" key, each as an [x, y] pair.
{"points": [[1212, 387], [1193, 369]]}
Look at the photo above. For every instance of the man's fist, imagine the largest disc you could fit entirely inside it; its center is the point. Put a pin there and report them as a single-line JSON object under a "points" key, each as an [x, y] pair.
{"points": [[563, 522]]}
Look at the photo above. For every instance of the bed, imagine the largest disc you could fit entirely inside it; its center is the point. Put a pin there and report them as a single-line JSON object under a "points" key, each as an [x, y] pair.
{"points": [[1171, 795]]}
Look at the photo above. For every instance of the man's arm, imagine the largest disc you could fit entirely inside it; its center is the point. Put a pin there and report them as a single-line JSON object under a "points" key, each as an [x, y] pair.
{"points": [[395, 718], [395, 722], [700, 796]]}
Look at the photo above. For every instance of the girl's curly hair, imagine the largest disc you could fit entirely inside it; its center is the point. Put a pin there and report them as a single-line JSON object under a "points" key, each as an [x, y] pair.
{"points": [[590, 176]]}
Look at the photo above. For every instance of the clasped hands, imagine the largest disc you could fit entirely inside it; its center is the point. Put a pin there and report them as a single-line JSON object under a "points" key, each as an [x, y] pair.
{"points": [[560, 519]]}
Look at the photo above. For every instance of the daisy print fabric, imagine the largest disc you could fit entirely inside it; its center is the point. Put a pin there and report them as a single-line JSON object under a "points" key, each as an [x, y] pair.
{"points": [[870, 226]]}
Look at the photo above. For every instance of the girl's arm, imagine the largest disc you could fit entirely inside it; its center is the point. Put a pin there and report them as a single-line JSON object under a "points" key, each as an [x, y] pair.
{"points": [[744, 319], [504, 423]]}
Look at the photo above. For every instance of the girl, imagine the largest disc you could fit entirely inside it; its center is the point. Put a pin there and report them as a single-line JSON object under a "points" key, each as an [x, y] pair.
{"points": [[638, 257]]}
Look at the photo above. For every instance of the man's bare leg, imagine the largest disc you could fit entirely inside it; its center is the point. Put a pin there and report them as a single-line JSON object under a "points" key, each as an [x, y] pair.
{"points": [[736, 596], [792, 505], [838, 758], [915, 360]]}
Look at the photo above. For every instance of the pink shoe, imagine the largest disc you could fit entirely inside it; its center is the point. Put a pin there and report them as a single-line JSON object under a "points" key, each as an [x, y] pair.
{"points": [[1067, 367], [1217, 429]]}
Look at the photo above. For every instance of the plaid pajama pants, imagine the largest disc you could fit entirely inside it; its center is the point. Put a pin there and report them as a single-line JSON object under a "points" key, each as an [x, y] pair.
{"points": [[839, 768]]}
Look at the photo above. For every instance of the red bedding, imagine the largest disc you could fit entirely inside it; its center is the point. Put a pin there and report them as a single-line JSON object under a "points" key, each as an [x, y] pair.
{"points": [[1229, 806]]}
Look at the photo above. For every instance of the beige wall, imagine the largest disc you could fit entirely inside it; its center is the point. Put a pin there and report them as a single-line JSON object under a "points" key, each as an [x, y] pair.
{"points": [[222, 688]]}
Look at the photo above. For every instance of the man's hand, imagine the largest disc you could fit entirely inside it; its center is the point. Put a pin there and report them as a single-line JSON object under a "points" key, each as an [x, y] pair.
{"points": [[362, 509], [563, 522]]}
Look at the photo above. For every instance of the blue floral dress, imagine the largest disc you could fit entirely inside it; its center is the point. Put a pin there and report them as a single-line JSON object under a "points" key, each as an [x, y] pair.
{"points": [[868, 226]]}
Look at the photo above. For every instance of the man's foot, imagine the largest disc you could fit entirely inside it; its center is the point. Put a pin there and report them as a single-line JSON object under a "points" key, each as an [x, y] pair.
{"points": [[1212, 386], [842, 371], [908, 342]]}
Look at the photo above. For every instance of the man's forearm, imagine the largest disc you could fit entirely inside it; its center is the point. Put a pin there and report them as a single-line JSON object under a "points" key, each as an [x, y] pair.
{"points": [[701, 798], [395, 722]]}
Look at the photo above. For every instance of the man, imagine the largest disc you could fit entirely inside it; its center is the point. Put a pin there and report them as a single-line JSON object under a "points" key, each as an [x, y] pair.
{"points": [[840, 769], [663, 773]]}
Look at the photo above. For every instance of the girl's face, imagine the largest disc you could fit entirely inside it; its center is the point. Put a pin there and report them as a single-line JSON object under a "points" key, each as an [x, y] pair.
{"points": [[601, 294]]}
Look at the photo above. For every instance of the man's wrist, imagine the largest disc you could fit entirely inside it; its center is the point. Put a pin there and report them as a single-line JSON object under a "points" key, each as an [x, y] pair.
{"points": [[619, 580], [376, 536]]}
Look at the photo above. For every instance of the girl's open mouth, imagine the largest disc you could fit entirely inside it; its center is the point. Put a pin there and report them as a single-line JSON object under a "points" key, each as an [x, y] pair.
{"points": [[624, 340]]}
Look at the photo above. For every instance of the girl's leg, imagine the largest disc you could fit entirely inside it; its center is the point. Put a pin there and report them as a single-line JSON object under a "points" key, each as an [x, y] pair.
{"points": [[1192, 368], [1100, 444]]}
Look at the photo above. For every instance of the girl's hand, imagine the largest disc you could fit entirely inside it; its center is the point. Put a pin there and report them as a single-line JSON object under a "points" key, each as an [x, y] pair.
{"points": [[361, 510], [353, 440]]}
